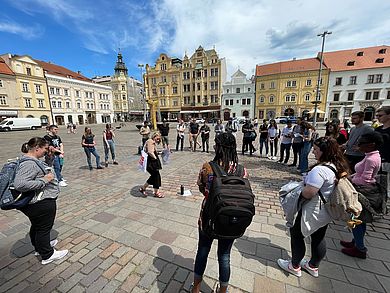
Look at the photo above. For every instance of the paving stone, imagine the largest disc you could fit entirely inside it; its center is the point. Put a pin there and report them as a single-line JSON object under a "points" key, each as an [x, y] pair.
{"points": [[130, 283], [242, 279], [70, 282], [54, 273], [341, 287], [265, 285], [77, 289], [104, 217], [366, 280], [164, 236], [173, 286], [167, 273], [147, 280], [112, 271], [97, 286], [73, 268], [111, 286], [91, 277], [89, 267], [125, 272], [181, 275], [254, 264]]}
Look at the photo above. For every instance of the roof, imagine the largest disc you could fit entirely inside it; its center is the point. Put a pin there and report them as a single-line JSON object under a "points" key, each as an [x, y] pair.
{"points": [[54, 69], [4, 68], [355, 59], [288, 66]]}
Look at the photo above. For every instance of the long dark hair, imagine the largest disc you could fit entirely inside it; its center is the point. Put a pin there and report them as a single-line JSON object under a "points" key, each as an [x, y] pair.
{"points": [[35, 142], [272, 122], [225, 150], [331, 153]]}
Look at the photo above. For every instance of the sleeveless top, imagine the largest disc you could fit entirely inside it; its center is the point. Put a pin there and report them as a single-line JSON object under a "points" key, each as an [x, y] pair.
{"points": [[108, 135]]}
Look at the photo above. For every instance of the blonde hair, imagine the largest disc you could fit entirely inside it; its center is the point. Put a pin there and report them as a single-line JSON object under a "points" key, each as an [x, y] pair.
{"points": [[157, 133]]}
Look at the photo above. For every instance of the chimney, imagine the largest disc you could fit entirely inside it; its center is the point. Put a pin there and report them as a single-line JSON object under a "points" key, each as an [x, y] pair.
{"points": [[78, 72], [295, 58]]}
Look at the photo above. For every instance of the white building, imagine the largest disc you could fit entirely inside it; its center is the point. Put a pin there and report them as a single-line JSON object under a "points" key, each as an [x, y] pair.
{"points": [[75, 98], [238, 98], [359, 81]]}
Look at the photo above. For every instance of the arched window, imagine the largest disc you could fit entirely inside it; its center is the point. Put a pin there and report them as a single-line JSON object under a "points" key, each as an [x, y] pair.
{"points": [[287, 98], [271, 99], [292, 98], [307, 97], [334, 114], [289, 112], [262, 99]]}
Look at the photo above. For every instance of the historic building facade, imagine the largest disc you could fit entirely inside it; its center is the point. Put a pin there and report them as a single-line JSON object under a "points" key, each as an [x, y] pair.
{"points": [[238, 98], [75, 98], [359, 81], [188, 87], [289, 89], [32, 99], [9, 106]]}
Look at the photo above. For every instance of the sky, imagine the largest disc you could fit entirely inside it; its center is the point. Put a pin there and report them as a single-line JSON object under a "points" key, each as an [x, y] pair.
{"points": [[85, 35]]}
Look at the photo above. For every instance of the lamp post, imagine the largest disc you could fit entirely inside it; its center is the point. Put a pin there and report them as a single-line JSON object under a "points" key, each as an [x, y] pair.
{"points": [[141, 67], [317, 100]]}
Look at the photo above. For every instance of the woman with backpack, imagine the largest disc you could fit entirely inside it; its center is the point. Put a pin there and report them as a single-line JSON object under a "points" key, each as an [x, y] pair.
{"points": [[34, 176], [313, 219], [226, 158], [365, 183]]}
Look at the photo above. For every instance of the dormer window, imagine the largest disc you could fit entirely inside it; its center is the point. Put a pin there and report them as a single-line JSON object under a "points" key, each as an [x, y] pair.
{"points": [[351, 63], [382, 51], [379, 60], [361, 53]]}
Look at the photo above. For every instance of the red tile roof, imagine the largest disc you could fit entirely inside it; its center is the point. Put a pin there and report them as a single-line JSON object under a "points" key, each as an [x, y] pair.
{"points": [[4, 68], [288, 66], [339, 60], [54, 69]]}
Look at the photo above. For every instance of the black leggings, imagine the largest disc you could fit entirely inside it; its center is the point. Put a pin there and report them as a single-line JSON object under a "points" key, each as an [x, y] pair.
{"points": [[298, 247]]}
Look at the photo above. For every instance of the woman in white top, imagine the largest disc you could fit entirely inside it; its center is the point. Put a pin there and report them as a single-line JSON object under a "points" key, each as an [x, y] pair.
{"points": [[273, 136], [312, 220]]}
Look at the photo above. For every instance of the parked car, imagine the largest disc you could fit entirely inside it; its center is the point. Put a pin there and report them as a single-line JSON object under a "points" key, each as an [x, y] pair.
{"points": [[20, 123], [283, 119], [199, 120]]}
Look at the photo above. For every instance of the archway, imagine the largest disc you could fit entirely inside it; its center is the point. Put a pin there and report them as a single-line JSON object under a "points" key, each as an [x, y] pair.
{"points": [[30, 116], [271, 114], [305, 113], [44, 120], [289, 112], [369, 113], [70, 119], [226, 115], [80, 118], [245, 113], [59, 120]]}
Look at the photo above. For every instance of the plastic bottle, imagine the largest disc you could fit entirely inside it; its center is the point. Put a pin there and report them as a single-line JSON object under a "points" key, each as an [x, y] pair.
{"points": [[182, 189]]}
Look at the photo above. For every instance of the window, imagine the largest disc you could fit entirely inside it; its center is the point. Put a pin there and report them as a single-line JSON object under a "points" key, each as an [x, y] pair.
{"points": [[59, 104], [28, 103], [163, 103], [186, 88], [379, 60], [307, 98], [291, 83], [1, 83], [163, 78], [351, 96], [205, 86], [248, 101], [154, 80], [78, 105], [378, 78], [336, 97], [231, 102], [175, 103], [370, 78], [261, 99], [78, 94], [375, 95], [226, 102], [57, 91], [205, 73], [38, 89], [388, 95], [214, 71], [287, 98], [214, 85], [67, 104], [262, 86], [41, 104], [28, 70], [163, 67], [174, 79], [186, 100], [124, 97], [66, 92], [186, 75], [351, 63], [198, 86], [338, 80], [123, 87], [243, 102], [360, 53], [249, 89], [308, 82], [272, 85], [3, 100], [293, 98], [174, 90], [154, 91], [368, 95], [382, 51], [238, 90], [352, 79], [162, 90], [25, 87], [271, 99], [198, 99]]}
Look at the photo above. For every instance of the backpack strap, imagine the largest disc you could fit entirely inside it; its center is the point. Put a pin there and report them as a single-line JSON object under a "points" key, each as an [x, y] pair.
{"points": [[217, 170], [335, 173]]}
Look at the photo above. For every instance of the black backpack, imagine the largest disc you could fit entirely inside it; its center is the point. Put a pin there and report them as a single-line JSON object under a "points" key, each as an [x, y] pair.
{"points": [[229, 208]]}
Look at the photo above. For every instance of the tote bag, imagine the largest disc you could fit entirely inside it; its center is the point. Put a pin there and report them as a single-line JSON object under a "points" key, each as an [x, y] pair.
{"points": [[142, 163]]}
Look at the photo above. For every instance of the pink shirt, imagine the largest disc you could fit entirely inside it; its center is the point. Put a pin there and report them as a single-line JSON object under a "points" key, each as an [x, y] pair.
{"points": [[367, 169]]}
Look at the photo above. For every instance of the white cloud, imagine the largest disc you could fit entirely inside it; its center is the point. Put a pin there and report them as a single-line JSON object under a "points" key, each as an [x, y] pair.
{"points": [[26, 32]]}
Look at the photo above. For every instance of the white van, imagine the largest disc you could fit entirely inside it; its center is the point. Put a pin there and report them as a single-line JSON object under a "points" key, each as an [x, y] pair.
{"points": [[20, 123]]}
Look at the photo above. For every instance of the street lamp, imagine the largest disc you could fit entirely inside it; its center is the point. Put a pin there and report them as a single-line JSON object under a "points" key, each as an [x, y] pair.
{"points": [[317, 100], [141, 66]]}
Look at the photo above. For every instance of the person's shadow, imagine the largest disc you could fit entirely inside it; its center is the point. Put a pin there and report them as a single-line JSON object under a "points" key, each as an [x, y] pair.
{"points": [[172, 266], [23, 246]]}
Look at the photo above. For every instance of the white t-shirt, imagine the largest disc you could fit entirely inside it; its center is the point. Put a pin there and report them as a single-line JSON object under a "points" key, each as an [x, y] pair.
{"points": [[287, 135], [323, 178]]}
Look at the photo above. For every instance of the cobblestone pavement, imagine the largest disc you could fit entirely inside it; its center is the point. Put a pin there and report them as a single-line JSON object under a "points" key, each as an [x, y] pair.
{"points": [[121, 242]]}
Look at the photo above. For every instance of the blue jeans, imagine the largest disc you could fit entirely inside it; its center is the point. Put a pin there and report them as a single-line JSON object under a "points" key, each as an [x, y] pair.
{"points": [[224, 248], [358, 235], [88, 152], [57, 167], [109, 148], [304, 156], [263, 141]]}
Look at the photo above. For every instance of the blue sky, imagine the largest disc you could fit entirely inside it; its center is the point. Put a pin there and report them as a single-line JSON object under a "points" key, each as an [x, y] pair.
{"points": [[85, 34]]}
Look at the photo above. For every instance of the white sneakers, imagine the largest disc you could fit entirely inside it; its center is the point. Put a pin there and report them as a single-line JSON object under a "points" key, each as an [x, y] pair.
{"points": [[288, 267], [62, 183], [52, 244], [58, 254]]}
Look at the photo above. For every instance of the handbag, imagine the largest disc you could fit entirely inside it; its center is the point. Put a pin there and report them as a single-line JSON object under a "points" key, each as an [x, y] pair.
{"points": [[143, 161]]}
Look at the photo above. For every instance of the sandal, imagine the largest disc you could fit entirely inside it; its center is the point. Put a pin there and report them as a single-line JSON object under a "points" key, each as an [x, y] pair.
{"points": [[143, 191], [158, 194]]}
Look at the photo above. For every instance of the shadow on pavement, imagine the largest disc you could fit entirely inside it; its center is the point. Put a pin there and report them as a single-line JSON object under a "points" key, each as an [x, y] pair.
{"points": [[165, 254], [23, 247]]}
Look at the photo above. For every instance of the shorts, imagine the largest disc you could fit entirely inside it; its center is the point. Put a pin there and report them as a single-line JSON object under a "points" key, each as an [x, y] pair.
{"points": [[165, 140]]}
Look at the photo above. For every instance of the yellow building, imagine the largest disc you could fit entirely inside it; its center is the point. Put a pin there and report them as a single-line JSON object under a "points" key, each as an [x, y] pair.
{"points": [[289, 89], [163, 86], [31, 88], [188, 87]]}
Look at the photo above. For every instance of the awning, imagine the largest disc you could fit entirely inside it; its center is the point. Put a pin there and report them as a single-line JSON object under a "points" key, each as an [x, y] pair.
{"points": [[197, 111], [318, 111]]}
